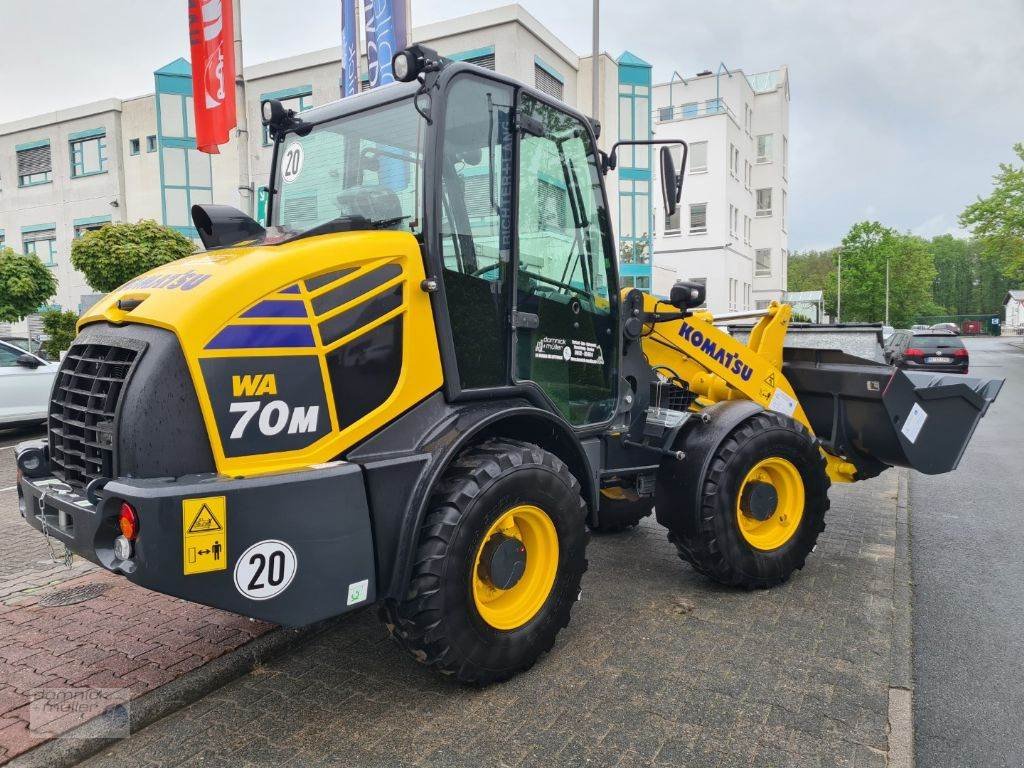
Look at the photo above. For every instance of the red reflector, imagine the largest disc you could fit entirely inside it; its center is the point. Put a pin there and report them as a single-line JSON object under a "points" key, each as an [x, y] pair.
{"points": [[129, 521], [914, 352]]}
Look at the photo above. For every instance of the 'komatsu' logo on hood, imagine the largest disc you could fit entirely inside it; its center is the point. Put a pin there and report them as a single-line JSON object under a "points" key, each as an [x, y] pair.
{"points": [[731, 361], [184, 281]]}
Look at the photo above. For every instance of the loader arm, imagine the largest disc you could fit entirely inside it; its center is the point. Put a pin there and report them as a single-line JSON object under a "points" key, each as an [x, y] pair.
{"points": [[718, 367]]}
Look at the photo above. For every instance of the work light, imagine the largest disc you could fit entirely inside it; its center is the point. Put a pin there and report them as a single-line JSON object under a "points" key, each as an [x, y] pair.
{"points": [[407, 64]]}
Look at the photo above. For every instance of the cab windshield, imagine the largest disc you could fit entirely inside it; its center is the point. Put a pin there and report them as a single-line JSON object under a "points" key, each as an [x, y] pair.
{"points": [[360, 171]]}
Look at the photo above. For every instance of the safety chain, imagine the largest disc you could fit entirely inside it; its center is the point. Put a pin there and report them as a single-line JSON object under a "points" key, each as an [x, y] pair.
{"points": [[69, 556]]}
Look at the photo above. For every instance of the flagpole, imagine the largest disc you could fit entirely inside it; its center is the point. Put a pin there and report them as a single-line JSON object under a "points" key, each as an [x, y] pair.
{"points": [[595, 75], [241, 116]]}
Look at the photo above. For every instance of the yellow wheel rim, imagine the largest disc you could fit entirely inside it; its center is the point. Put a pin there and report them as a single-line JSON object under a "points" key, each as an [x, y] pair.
{"points": [[779, 528], [514, 607]]}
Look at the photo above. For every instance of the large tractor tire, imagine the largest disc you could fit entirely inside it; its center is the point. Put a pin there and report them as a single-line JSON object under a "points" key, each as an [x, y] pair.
{"points": [[498, 566], [761, 505], [621, 509]]}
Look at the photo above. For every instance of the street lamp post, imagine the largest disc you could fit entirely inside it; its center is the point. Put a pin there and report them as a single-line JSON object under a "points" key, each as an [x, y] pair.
{"points": [[839, 288], [595, 76], [887, 289]]}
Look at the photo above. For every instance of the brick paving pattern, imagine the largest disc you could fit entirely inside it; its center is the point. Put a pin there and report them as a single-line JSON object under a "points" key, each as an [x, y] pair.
{"points": [[126, 638], [659, 667]]}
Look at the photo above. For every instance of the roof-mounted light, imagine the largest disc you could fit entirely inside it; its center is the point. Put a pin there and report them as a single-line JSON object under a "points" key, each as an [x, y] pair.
{"points": [[408, 64]]}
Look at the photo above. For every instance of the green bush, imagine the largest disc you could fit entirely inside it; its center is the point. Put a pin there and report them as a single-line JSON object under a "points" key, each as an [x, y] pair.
{"points": [[59, 326], [114, 254]]}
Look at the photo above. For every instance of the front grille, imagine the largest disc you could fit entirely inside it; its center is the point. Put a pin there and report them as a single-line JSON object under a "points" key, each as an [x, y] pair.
{"points": [[83, 410]]}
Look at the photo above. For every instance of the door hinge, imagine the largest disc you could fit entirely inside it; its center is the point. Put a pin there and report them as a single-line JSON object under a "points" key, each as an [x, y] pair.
{"points": [[525, 320]]}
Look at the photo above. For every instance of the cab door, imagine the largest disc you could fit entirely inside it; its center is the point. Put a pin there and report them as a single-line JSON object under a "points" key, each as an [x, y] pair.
{"points": [[565, 316]]}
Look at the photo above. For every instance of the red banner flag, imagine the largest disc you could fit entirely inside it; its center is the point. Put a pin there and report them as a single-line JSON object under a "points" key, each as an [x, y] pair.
{"points": [[211, 32]]}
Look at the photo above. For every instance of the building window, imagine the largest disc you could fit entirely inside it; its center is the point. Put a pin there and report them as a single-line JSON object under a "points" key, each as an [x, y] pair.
{"points": [[299, 102], [133, 146], [90, 226], [698, 157], [736, 163], [746, 230], [151, 143], [634, 219], [88, 156], [664, 113], [177, 118], [746, 174], [41, 243], [486, 61], [785, 156], [34, 165], [690, 110], [547, 80], [732, 159], [783, 216], [634, 123], [764, 202], [640, 282], [747, 114], [764, 148], [762, 261], [762, 304], [551, 199], [698, 218], [187, 181]]}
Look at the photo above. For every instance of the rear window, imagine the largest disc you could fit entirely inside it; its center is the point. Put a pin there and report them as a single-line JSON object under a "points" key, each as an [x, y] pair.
{"points": [[936, 341]]}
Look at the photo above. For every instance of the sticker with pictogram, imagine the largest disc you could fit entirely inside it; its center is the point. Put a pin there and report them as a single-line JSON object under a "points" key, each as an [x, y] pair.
{"points": [[204, 524]]}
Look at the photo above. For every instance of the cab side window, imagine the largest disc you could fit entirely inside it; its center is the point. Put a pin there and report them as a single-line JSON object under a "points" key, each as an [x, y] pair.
{"points": [[475, 217]]}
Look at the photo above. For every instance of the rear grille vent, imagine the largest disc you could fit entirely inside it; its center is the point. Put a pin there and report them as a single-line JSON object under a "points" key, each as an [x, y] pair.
{"points": [[84, 407]]}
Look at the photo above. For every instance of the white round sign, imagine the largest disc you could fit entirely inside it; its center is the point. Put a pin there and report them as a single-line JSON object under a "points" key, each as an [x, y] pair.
{"points": [[265, 569], [291, 162]]}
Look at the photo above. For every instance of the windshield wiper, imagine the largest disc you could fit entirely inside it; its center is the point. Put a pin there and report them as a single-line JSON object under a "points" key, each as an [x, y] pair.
{"points": [[347, 223]]}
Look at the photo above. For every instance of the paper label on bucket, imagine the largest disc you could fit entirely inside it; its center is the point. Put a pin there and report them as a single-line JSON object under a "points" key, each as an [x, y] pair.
{"points": [[915, 420]]}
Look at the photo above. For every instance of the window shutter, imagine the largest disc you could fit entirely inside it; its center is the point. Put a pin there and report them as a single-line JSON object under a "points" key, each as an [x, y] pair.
{"points": [[546, 83], [486, 61], [35, 160]]}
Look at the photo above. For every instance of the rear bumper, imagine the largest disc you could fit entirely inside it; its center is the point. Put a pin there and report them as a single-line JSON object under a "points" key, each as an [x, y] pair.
{"points": [[321, 514], [936, 368]]}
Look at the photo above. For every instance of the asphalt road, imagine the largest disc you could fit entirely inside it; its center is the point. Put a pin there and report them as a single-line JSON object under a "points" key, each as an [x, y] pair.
{"points": [[967, 550]]}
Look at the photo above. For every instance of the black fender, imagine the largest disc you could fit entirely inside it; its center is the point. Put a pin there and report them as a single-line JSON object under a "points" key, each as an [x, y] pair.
{"points": [[404, 460], [678, 484]]}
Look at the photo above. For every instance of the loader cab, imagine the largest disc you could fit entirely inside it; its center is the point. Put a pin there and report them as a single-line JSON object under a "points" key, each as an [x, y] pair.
{"points": [[523, 246]]}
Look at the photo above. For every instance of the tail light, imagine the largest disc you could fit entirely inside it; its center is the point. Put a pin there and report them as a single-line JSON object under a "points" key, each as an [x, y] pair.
{"points": [[128, 521], [960, 354], [913, 352]]}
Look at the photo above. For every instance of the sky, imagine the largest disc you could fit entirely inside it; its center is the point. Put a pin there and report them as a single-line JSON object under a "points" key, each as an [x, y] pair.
{"points": [[901, 109]]}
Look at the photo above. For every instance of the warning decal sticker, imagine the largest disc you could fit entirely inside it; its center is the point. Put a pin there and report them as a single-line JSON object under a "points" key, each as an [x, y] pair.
{"points": [[204, 525]]}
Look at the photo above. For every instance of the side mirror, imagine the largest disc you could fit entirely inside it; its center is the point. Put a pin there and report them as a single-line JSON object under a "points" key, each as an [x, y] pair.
{"points": [[221, 226], [28, 361], [669, 181], [672, 181], [686, 295]]}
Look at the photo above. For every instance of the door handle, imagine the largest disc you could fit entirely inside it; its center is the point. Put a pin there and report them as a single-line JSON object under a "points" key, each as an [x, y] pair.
{"points": [[526, 320]]}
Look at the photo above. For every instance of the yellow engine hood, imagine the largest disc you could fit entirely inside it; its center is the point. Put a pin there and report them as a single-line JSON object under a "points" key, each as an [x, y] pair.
{"points": [[252, 321]]}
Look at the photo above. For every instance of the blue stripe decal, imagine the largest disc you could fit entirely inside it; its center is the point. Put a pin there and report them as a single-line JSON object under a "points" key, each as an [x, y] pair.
{"points": [[277, 308], [290, 289], [262, 337]]}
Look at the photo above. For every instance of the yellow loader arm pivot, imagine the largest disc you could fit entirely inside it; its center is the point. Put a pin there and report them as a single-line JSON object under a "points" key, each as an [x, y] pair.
{"points": [[717, 367]]}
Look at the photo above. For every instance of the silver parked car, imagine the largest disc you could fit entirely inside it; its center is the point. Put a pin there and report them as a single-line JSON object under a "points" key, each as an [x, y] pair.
{"points": [[25, 383]]}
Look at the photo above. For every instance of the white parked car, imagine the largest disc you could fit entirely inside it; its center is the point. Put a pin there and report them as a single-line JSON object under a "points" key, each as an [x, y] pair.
{"points": [[25, 383]]}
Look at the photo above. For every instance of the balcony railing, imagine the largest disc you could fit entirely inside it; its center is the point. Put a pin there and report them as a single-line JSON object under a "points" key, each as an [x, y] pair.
{"points": [[764, 81], [693, 109]]}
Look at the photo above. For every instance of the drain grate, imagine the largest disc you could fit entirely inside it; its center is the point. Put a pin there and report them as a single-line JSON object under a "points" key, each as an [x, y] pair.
{"points": [[74, 595]]}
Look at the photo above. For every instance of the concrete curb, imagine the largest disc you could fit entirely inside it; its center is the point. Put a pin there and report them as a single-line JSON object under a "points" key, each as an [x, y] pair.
{"points": [[901, 676], [83, 742]]}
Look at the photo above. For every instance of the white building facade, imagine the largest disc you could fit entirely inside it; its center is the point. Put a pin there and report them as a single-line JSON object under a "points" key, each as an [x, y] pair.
{"points": [[730, 230], [126, 160]]}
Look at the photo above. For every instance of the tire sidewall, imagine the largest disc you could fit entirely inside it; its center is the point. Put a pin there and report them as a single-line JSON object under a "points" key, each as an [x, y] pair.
{"points": [[783, 441], [473, 637]]}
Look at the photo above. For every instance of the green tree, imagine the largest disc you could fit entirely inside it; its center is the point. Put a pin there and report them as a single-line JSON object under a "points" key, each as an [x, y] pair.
{"points": [[865, 250], [59, 326], [998, 219], [810, 270], [25, 285], [956, 270], [112, 255]]}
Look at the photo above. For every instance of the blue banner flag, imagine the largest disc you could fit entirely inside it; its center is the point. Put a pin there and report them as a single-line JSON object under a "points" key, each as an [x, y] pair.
{"points": [[349, 48], [387, 32]]}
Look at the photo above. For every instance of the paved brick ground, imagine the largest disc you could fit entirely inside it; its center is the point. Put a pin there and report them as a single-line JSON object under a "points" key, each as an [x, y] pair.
{"points": [[658, 667], [127, 638]]}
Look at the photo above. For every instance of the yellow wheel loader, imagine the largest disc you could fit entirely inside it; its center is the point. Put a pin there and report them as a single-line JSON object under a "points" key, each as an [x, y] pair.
{"points": [[422, 382]]}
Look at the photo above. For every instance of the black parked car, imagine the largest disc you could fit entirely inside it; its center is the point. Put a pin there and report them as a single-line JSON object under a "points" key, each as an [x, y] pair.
{"points": [[930, 350]]}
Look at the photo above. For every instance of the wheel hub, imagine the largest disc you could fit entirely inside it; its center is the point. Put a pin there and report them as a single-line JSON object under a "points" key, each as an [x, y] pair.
{"points": [[502, 561], [759, 500]]}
